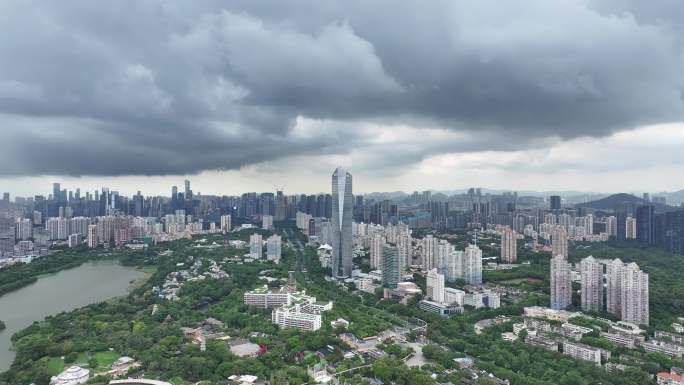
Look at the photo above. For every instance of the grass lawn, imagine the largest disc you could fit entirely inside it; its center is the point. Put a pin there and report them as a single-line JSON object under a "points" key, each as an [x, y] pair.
{"points": [[105, 359], [55, 366]]}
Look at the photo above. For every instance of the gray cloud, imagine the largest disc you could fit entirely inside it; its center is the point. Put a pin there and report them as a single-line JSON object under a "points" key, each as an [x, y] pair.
{"points": [[155, 88]]}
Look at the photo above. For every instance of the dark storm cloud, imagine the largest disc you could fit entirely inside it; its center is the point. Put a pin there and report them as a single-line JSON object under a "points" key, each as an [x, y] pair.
{"points": [[155, 88]]}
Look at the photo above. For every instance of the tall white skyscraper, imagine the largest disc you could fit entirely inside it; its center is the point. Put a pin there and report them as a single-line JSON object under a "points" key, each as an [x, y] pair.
{"points": [[405, 250], [429, 250], [435, 286], [614, 287], [472, 265], [273, 248], [634, 295], [256, 246], [559, 242], [444, 250], [267, 222], [611, 226], [561, 283], [342, 210], [591, 272], [225, 223], [454, 266], [376, 249], [509, 249], [630, 227]]}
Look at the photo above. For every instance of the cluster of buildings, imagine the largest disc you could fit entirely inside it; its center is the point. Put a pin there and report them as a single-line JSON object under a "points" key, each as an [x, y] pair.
{"points": [[273, 247], [196, 272], [555, 330], [446, 301], [623, 285], [290, 307]]}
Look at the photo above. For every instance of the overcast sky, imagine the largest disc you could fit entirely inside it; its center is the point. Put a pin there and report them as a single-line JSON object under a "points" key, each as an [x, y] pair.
{"points": [[252, 95]]}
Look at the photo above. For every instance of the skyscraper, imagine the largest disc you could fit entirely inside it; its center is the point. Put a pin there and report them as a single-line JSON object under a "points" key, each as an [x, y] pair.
{"points": [[630, 228], [256, 246], [390, 267], [376, 250], [555, 202], [559, 242], [634, 295], [188, 191], [509, 249], [645, 221], [592, 284], [434, 286], [561, 283], [273, 248], [429, 251], [614, 287], [472, 265], [342, 211]]}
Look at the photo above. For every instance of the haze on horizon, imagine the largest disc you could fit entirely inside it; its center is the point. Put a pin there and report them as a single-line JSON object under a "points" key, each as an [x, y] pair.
{"points": [[248, 96]]}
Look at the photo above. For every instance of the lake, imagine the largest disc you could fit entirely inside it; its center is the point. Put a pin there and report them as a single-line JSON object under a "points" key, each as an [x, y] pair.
{"points": [[66, 290]]}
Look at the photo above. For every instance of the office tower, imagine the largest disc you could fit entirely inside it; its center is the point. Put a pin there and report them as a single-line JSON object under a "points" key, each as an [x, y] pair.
{"points": [[621, 223], [472, 265], [435, 286], [376, 249], [429, 250], [559, 242], [174, 193], [342, 210], [92, 236], [273, 248], [634, 295], [645, 220], [555, 202], [591, 271], [255, 246], [7, 235], [188, 191], [225, 223], [509, 247], [630, 228], [267, 222], [6, 197], [280, 206], [56, 191], [390, 267], [561, 283]]}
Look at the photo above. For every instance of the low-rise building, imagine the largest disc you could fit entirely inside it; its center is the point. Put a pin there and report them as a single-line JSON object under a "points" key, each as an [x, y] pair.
{"points": [[265, 298], [71, 376], [665, 347], [291, 316], [440, 308], [626, 340], [670, 378], [574, 332], [542, 342], [582, 352]]}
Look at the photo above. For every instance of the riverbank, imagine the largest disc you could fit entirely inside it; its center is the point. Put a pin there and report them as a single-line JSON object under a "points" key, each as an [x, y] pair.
{"points": [[18, 276]]}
